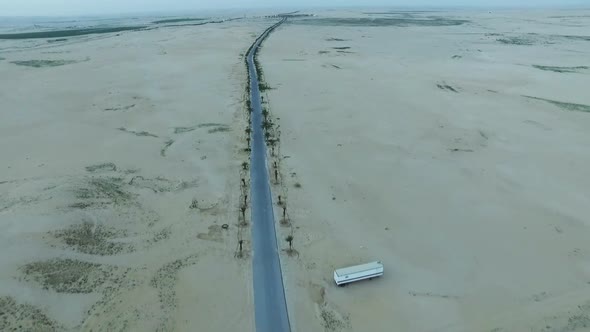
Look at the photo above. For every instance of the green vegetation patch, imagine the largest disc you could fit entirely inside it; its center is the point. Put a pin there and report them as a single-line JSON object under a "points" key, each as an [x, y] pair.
{"points": [[562, 69], [516, 41], [563, 105], [577, 322], [43, 63], [579, 38], [109, 167], [210, 124], [332, 320], [137, 133], [447, 87], [160, 184], [24, 317], [104, 190], [167, 144], [66, 275], [67, 33], [165, 278], [181, 130], [122, 108], [57, 40], [262, 86], [92, 239], [382, 21], [177, 20], [219, 129]]}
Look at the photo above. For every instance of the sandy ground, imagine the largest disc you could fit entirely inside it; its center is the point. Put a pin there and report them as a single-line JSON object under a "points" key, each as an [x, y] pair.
{"points": [[445, 153], [120, 162]]}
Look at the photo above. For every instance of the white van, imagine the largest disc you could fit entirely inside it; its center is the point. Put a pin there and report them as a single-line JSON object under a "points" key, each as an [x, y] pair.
{"points": [[358, 272]]}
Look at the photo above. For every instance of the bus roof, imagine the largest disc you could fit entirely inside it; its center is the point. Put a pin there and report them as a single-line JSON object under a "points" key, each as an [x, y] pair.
{"points": [[359, 268]]}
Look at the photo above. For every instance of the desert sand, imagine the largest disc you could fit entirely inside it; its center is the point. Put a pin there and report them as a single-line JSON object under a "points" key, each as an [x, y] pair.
{"points": [[452, 146], [121, 162], [457, 155]]}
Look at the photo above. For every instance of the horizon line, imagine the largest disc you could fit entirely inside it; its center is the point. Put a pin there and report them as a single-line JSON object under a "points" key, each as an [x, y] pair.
{"points": [[188, 11]]}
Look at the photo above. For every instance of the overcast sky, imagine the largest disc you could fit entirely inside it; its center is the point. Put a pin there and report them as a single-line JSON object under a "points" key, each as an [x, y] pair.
{"points": [[77, 7]]}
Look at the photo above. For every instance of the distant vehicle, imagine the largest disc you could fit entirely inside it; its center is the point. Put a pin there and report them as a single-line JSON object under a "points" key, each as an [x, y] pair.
{"points": [[358, 272]]}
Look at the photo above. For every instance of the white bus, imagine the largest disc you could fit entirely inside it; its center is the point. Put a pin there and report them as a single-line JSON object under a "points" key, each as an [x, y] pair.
{"points": [[358, 272]]}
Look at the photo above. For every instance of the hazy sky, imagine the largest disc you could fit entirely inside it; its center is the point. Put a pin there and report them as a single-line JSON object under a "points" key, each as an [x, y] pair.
{"points": [[76, 7]]}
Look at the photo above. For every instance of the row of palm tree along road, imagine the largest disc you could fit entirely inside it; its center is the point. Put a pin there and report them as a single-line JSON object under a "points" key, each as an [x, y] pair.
{"points": [[269, 296]]}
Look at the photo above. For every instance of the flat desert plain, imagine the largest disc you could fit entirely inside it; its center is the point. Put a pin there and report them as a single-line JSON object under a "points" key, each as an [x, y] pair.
{"points": [[120, 163], [451, 146]]}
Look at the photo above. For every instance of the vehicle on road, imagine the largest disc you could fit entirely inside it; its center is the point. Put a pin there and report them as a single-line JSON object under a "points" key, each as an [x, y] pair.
{"points": [[350, 274]]}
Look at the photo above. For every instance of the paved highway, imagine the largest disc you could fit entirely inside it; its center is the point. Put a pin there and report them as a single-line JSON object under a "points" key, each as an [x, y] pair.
{"points": [[269, 295]]}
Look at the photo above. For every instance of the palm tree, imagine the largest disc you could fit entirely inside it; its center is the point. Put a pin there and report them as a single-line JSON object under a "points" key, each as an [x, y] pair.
{"points": [[243, 209], [248, 132], [240, 242], [290, 240], [272, 142]]}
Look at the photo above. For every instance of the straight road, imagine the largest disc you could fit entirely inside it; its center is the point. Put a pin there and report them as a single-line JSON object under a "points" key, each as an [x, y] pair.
{"points": [[269, 295]]}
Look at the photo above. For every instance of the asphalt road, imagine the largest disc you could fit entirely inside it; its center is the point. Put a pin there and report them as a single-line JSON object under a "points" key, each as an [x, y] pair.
{"points": [[269, 295]]}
